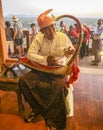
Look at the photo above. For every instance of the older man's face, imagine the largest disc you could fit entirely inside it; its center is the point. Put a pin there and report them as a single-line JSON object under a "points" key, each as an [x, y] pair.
{"points": [[49, 32]]}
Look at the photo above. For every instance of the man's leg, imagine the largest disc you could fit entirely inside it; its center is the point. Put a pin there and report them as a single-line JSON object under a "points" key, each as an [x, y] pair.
{"points": [[69, 102]]}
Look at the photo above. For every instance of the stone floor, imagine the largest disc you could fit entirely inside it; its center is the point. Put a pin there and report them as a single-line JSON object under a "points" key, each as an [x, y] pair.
{"points": [[86, 67]]}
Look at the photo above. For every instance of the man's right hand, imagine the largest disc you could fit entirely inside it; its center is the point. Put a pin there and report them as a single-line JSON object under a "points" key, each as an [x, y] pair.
{"points": [[51, 61]]}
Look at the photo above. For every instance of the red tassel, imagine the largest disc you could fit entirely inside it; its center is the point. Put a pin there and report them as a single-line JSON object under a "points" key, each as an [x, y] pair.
{"points": [[74, 75]]}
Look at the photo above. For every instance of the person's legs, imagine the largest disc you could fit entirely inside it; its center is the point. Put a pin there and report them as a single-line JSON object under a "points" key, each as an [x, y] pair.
{"points": [[95, 53], [83, 49], [45, 97], [19, 46], [19, 50], [22, 50], [8, 44], [69, 102], [12, 47], [99, 48], [87, 50], [22, 46]]}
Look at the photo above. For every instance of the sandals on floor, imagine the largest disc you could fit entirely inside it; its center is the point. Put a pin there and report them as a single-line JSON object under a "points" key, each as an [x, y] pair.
{"points": [[31, 117]]}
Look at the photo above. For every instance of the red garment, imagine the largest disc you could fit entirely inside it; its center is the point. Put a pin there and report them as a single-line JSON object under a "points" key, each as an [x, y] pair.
{"points": [[74, 75], [86, 33], [74, 33], [89, 33]]}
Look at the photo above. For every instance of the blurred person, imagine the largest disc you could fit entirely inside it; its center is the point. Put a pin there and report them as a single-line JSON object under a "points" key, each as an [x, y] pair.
{"points": [[47, 93], [63, 27], [88, 39], [32, 32], [18, 35], [76, 28], [74, 36], [97, 37], [84, 41], [9, 37]]}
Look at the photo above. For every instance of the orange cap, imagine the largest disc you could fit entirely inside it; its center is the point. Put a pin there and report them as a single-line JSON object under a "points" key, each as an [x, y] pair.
{"points": [[43, 20]]}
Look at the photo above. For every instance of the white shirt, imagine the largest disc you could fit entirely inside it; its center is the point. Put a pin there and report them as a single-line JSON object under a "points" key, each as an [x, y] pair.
{"points": [[98, 33]]}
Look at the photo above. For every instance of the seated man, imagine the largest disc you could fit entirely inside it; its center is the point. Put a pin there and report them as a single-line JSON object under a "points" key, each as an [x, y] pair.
{"points": [[45, 92]]}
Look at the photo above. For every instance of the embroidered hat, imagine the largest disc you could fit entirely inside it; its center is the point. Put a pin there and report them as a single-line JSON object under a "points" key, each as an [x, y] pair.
{"points": [[14, 18], [44, 20]]}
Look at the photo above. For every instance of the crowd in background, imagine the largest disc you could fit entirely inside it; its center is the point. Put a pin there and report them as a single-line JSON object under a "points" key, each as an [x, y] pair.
{"points": [[14, 36], [92, 39]]}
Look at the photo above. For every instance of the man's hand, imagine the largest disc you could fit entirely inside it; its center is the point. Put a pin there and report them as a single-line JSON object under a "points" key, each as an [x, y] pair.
{"points": [[51, 61], [69, 51]]}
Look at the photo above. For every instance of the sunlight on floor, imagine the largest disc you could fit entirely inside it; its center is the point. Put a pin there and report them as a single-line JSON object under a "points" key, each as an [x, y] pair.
{"points": [[85, 66]]}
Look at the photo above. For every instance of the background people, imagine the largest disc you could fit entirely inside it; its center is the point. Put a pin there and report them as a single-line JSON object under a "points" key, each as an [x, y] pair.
{"points": [[97, 42], [32, 32], [63, 27], [73, 35], [84, 41], [88, 39], [9, 37], [18, 35]]}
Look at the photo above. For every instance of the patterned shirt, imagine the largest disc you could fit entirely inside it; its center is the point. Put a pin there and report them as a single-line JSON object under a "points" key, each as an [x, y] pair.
{"points": [[18, 26]]}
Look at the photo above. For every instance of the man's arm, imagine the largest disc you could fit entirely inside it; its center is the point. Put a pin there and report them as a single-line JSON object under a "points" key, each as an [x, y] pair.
{"points": [[15, 33], [33, 53]]}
